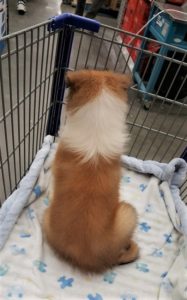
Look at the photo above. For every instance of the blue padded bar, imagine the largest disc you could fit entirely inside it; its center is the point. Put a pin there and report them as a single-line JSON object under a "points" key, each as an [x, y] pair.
{"points": [[74, 20]]}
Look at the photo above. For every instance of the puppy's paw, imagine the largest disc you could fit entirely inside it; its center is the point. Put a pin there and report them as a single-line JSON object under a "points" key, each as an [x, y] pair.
{"points": [[129, 254]]}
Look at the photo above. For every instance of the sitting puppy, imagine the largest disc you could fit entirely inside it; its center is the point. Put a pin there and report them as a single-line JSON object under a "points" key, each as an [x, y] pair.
{"points": [[86, 223]]}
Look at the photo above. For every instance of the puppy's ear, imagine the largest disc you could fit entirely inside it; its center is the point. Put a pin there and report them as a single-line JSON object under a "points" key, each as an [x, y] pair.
{"points": [[70, 79]]}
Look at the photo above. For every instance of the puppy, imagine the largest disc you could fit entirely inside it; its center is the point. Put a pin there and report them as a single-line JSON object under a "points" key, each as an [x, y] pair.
{"points": [[85, 222]]}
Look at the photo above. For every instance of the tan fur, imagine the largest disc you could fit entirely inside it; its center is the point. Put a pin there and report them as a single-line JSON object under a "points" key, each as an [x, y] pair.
{"points": [[85, 85], [85, 222]]}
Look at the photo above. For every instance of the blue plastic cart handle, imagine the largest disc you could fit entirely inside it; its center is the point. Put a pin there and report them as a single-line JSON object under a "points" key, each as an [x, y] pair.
{"points": [[74, 20]]}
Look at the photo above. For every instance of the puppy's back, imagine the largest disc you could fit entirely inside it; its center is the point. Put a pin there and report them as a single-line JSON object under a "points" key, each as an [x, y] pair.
{"points": [[85, 197]]}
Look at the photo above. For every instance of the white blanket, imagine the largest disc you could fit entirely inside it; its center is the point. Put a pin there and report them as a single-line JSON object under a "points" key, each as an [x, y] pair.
{"points": [[30, 270]]}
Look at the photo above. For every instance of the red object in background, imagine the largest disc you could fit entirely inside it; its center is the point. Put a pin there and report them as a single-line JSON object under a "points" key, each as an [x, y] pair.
{"points": [[176, 2], [126, 38], [153, 47], [132, 4], [136, 16], [143, 10], [134, 53], [128, 21]]}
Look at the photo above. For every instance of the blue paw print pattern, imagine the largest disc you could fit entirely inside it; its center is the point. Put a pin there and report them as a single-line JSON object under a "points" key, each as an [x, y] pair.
{"points": [[142, 187], [24, 234], [65, 282], [128, 296], [15, 250], [157, 253], [167, 285], [168, 238], [148, 208], [109, 277], [30, 213], [142, 267], [37, 191], [161, 194], [144, 227], [46, 201], [3, 269], [126, 179], [41, 266], [14, 292], [96, 297], [163, 275]]}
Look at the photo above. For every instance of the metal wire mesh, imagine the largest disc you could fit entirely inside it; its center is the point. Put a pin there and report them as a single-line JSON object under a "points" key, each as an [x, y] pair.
{"points": [[27, 69]]}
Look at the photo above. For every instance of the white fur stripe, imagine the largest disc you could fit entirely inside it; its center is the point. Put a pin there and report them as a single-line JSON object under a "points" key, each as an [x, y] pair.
{"points": [[98, 127]]}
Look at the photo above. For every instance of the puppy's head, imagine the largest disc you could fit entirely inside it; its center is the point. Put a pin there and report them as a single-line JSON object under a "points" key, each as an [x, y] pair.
{"points": [[86, 85]]}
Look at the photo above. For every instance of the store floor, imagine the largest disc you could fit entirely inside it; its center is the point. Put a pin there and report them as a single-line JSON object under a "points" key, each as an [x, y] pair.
{"points": [[39, 11]]}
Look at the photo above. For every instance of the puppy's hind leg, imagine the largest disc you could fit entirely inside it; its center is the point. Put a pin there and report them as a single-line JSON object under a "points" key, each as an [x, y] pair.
{"points": [[129, 254], [125, 223], [46, 223]]}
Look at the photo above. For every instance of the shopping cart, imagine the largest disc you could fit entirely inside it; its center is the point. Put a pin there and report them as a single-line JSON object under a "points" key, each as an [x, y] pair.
{"points": [[32, 90]]}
